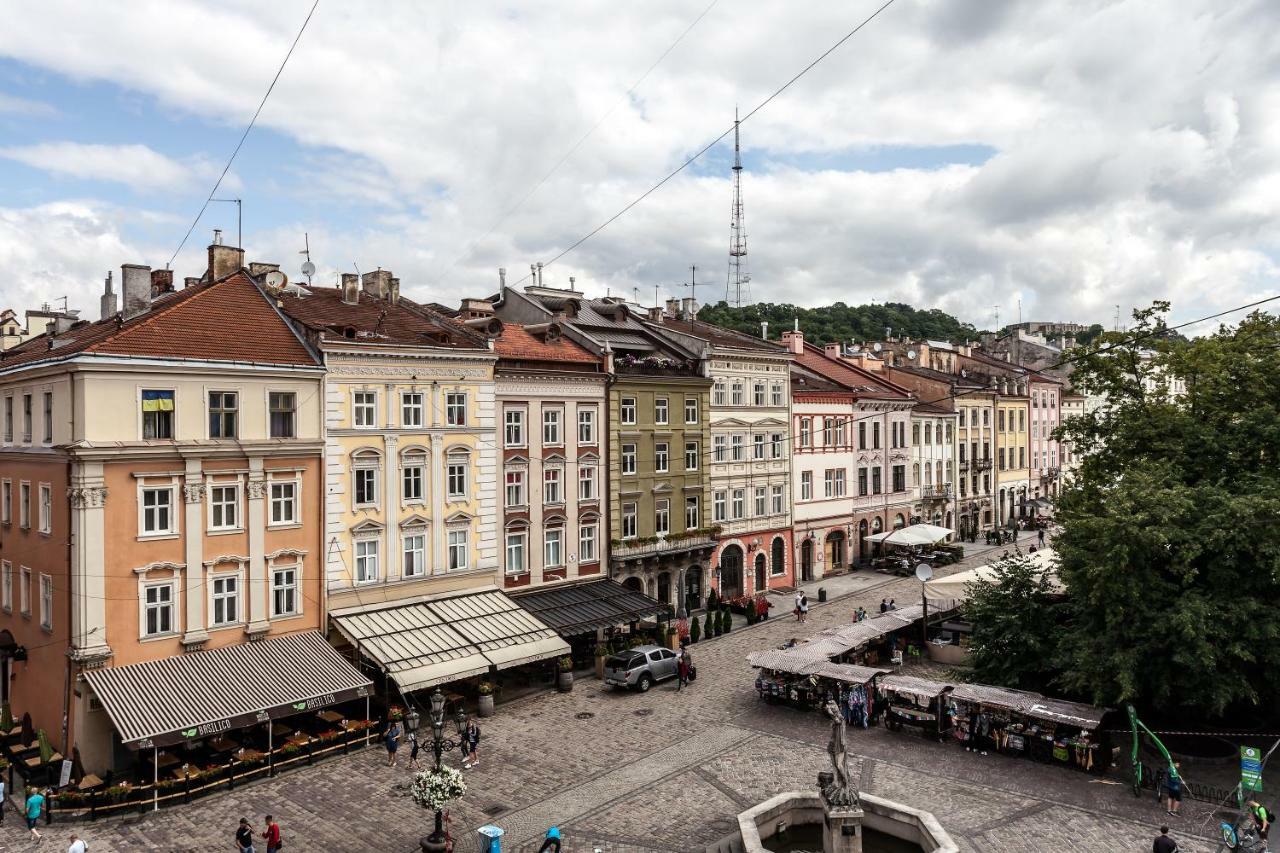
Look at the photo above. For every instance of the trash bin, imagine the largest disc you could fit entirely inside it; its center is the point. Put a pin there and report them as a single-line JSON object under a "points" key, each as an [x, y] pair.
{"points": [[491, 838], [822, 594]]}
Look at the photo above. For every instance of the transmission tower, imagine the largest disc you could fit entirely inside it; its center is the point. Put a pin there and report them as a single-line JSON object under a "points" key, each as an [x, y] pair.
{"points": [[737, 289]]}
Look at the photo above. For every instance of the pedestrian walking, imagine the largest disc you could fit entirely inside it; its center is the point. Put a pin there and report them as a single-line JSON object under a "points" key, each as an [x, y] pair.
{"points": [[471, 742], [1261, 818], [1173, 787], [802, 604], [273, 836], [551, 844], [1040, 536], [884, 605], [414, 746], [244, 836], [77, 845], [35, 807], [682, 671], [1163, 843], [392, 739]]}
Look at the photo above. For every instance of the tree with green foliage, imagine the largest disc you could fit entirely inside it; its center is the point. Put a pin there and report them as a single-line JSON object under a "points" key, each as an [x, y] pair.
{"points": [[1014, 615], [839, 322], [1171, 541]]}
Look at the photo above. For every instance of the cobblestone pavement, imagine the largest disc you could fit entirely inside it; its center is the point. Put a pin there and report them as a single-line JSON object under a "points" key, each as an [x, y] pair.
{"points": [[666, 771]]}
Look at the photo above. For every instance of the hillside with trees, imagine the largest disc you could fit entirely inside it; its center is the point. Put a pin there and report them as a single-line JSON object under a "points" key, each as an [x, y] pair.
{"points": [[840, 322]]}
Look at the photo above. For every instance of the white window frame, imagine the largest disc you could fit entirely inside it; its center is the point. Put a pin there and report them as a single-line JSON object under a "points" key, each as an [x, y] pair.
{"points": [[627, 460], [292, 411], [513, 434], [627, 411], [237, 522], [777, 500], [718, 393], [719, 448], [738, 504], [758, 442], [6, 501], [661, 457], [409, 555], [45, 509], [761, 501], [412, 413], [719, 505], [517, 480], [661, 411], [458, 549], [587, 483], [173, 528], [142, 416], [692, 512], [776, 396], [737, 395], [24, 505], [806, 432], [662, 516], [553, 548], [692, 455], [776, 441], [553, 485], [172, 605], [47, 409], [587, 425], [292, 589], [588, 536], [24, 590], [553, 427], [371, 556], [216, 597], [629, 516], [759, 393], [455, 408], [290, 503], [457, 469], [806, 485], [373, 493], [413, 470], [6, 586], [517, 547], [691, 409], [737, 449], [364, 409]]}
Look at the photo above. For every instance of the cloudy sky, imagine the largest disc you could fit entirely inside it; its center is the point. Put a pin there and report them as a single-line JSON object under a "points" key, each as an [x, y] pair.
{"points": [[957, 154]]}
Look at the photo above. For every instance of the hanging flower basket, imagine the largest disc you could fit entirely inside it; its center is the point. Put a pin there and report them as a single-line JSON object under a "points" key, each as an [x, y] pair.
{"points": [[433, 789]]}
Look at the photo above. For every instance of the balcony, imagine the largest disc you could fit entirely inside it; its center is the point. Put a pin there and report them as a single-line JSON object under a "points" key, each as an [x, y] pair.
{"points": [[1050, 473], [631, 549], [982, 464], [653, 366], [936, 493]]}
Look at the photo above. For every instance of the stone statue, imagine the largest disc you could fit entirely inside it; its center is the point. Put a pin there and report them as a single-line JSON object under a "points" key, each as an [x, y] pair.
{"points": [[840, 792]]}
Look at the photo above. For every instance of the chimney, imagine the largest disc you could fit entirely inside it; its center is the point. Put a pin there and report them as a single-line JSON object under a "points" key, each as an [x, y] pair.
{"points": [[794, 341], [393, 291], [473, 309], [655, 315], [673, 308], [539, 273], [888, 333], [257, 269], [161, 282], [764, 330], [223, 260], [376, 283], [573, 280], [107, 304], [833, 350], [190, 281], [350, 288], [502, 278], [137, 289], [688, 308]]}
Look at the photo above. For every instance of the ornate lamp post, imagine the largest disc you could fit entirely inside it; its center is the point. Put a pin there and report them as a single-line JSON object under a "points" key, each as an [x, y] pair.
{"points": [[439, 743]]}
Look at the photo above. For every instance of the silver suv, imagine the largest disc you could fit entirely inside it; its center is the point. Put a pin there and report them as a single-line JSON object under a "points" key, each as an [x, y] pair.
{"points": [[640, 667]]}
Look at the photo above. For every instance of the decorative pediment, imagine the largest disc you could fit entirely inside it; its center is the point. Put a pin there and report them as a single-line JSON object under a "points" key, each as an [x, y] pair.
{"points": [[553, 458], [415, 520], [286, 552], [517, 524], [517, 459], [368, 527], [661, 488], [554, 519], [226, 558], [159, 566], [771, 422], [589, 459], [730, 422], [458, 450], [459, 517]]}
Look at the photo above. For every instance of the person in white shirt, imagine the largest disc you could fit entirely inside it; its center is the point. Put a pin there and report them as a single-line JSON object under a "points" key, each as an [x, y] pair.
{"points": [[77, 845]]}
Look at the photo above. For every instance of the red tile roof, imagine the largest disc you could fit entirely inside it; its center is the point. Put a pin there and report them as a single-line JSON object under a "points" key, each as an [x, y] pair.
{"points": [[517, 343], [376, 321], [226, 320], [863, 382]]}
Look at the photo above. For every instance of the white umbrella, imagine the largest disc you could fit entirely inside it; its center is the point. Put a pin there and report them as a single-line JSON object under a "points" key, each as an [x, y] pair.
{"points": [[916, 534]]}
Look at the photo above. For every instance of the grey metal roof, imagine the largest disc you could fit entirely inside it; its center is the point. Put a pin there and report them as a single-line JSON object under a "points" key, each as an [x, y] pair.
{"points": [[914, 686], [162, 702], [578, 608], [444, 639]]}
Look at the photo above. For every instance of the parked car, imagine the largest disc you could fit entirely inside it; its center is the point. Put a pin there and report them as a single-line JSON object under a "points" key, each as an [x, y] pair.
{"points": [[640, 668]]}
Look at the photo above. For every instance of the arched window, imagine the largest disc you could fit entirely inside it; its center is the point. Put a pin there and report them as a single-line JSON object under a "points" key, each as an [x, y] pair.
{"points": [[899, 521], [915, 475], [779, 556]]}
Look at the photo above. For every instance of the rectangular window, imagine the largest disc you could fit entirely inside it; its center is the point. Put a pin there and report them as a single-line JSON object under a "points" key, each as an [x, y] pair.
{"points": [[761, 501], [48, 417], [691, 456], [515, 488], [899, 478], [224, 507], [1022, 457], [862, 482], [284, 406], [739, 506], [46, 508], [806, 485], [224, 410], [586, 426], [628, 459], [455, 408], [719, 448], [660, 457], [627, 411], [736, 398], [875, 436], [718, 395], [587, 544], [775, 395], [157, 414], [692, 513], [24, 590], [157, 618], [513, 428], [1000, 457], [986, 417], [551, 423], [829, 483], [718, 507], [551, 491], [366, 486], [366, 560], [456, 480], [862, 436], [777, 506], [737, 449], [828, 432], [1001, 420], [46, 602], [157, 511], [662, 516], [411, 407], [629, 521], [459, 553], [757, 446], [26, 419], [284, 591], [841, 486], [8, 419], [411, 482], [6, 502], [690, 410], [963, 413], [226, 601], [24, 506], [587, 483], [842, 426], [757, 394], [6, 586], [284, 503], [414, 549], [776, 441], [1022, 420], [806, 432], [661, 413], [876, 487], [516, 544]]}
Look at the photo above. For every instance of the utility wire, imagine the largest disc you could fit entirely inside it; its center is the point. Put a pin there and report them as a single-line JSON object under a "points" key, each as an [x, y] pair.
{"points": [[510, 211], [717, 140], [245, 135]]}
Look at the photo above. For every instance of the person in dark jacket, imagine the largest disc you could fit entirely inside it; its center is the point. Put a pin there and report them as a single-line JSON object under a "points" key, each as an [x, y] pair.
{"points": [[244, 836], [1163, 843]]}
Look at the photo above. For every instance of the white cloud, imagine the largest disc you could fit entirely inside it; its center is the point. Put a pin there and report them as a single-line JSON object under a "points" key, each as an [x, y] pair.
{"points": [[136, 166], [24, 107], [1138, 142]]}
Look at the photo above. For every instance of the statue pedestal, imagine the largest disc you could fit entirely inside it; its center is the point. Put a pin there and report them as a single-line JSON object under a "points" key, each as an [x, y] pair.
{"points": [[841, 829]]}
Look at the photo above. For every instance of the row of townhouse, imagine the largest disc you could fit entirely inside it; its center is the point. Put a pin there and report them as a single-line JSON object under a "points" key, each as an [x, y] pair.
{"points": [[244, 471]]}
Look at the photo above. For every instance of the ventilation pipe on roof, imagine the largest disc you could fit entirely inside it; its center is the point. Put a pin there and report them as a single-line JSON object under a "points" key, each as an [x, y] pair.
{"points": [[539, 273], [136, 280], [764, 330], [502, 278]]}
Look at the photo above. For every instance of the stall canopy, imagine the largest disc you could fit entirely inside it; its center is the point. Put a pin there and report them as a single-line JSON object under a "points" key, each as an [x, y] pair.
{"points": [[1032, 705], [954, 587], [582, 607], [788, 661], [163, 702], [916, 534], [447, 638], [913, 686]]}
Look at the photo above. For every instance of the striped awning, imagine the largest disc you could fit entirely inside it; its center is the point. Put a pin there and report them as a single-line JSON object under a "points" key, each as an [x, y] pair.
{"points": [[197, 695], [437, 640], [577, 608]]}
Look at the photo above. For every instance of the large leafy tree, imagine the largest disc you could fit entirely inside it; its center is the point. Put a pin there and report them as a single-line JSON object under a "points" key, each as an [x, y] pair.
{"points": [[839, 322], [1171, 541], [1013, 615]]}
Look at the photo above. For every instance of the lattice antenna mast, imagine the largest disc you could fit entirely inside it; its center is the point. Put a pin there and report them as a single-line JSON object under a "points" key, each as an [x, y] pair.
{"points": [[737, 290]]}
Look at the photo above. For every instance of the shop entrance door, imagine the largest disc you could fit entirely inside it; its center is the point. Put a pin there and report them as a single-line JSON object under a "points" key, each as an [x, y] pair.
{"points": [[692, 589], [762, 580], [731, 572], [806, 560]]}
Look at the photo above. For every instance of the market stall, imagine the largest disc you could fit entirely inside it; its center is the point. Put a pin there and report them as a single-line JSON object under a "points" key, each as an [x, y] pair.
{"points": [[915, 703], [796, 677], [1015, 722]]}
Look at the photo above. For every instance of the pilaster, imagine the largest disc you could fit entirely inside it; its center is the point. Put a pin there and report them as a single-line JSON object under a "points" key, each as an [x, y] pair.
{"points": [[193, 494], [256, 522], [88, 496]]}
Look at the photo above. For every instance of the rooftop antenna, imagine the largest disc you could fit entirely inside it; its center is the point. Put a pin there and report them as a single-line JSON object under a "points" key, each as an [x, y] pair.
{"points": [[1019, 310], [635, 295], [692, 284], [1117, 328], [997, 309], [308, 268], [738, 279], [239, 218]]}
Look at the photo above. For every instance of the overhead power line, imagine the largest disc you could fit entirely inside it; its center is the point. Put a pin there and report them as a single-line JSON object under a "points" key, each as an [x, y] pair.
{"points": [[245, 135]]}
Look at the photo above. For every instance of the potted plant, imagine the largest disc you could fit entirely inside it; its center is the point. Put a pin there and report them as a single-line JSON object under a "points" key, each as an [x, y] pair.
{"points": [[726, 620], [709, 626], [564, 675], [434, 789], [673, 638], [486, 699], [6, 719], [602, 654], [695, 633]]}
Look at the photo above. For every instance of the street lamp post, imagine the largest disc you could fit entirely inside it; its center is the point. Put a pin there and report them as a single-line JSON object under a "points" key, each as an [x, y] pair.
{"points": [[439, 743]]}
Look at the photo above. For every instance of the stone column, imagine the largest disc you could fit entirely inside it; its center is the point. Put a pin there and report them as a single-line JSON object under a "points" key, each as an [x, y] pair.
{"points": [[193, 522], [256, 523], [88, 497], [391, 508], [841, 829], [438, 563]]}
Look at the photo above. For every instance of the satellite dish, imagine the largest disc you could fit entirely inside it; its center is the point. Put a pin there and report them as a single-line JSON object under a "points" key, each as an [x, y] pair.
{"points": [[876, 346], [911, 354], [308, 269], [275, 279], [924, 572], [856, 348]]}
